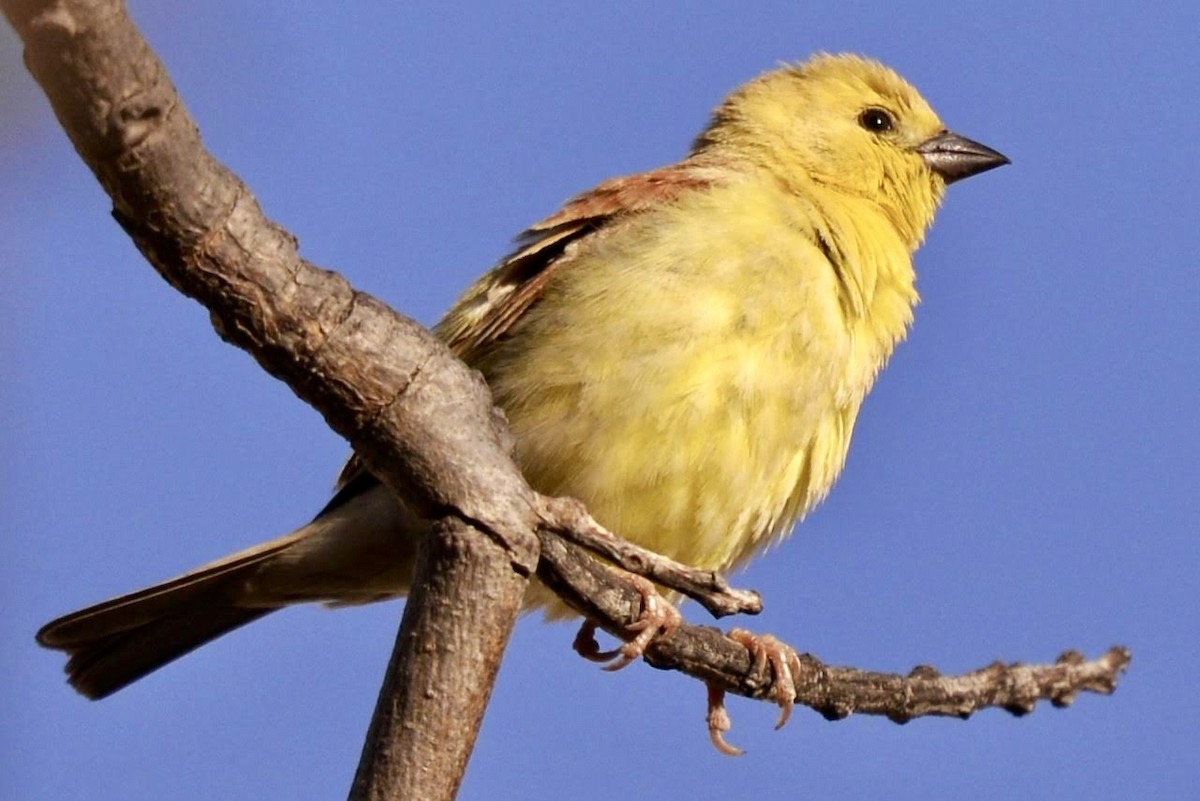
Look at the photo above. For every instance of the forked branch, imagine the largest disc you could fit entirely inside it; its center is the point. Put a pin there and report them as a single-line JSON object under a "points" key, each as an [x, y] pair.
{"points": [[424, 424]]}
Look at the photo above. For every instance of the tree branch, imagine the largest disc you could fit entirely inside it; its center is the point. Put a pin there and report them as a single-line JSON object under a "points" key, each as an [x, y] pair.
{"points": [[709, 655], [425, 701], [424, 424]]}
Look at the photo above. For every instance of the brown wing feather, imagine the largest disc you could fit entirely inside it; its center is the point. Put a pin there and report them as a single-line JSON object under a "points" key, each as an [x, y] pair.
{"points": [[495, 303], [499, 299]]}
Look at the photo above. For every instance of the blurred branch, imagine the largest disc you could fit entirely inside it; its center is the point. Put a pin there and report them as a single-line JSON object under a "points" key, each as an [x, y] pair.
{"points": [[425, 426]]}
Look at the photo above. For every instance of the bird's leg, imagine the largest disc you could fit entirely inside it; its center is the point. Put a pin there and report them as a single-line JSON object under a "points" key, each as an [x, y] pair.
{"points": [[785, 665], [658, 618]]}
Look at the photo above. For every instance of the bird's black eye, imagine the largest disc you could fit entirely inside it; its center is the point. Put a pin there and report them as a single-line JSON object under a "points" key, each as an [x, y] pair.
{"points": [[876, 120]]}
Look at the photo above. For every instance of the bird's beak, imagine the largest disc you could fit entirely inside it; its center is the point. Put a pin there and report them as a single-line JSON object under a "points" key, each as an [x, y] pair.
{"points": [[956, 157]]}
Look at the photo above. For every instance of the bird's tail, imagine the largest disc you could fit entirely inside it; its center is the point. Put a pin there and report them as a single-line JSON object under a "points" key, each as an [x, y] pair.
{"points": [[117, 642]]}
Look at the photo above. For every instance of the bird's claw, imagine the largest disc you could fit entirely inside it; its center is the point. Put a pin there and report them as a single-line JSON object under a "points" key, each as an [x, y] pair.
{"points": [[658, 618], [766, 652], [784, 664], [719, 722]]}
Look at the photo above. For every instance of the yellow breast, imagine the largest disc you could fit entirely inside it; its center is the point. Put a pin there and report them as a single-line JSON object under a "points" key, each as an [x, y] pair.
{"points": [[694, 373]]}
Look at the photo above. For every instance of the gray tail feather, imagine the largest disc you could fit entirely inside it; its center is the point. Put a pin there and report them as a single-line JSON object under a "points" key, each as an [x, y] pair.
{"points": [[99, 667], [118, 641]]}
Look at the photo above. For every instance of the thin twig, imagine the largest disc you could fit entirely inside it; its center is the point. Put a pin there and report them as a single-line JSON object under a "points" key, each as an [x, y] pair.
{"points": [[707, 654]]}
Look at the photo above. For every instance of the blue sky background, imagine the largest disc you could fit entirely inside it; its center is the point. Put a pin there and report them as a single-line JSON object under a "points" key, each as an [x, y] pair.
{"points": [[1022, 480]]}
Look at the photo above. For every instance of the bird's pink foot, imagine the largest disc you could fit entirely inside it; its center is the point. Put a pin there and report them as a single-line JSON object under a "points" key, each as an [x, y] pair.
{"points": [[658, 618], [766, 652], [784, 664]]}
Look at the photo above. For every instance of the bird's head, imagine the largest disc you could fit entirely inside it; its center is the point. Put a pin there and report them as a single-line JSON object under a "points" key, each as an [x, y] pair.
{"points": [[850, 125]]}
